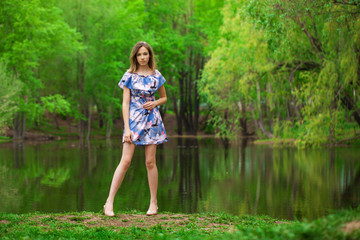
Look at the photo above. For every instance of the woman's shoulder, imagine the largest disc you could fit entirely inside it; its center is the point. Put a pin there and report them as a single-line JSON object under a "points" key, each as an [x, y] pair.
{"points": [[126, 80], [157, 73], [128, 72], [159, 77]]}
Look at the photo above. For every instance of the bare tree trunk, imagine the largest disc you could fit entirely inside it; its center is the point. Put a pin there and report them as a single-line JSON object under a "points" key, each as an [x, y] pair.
{"points": [[261, 120], [20, 123], [225, 140], [255, 121], [19, 128], [243, 121], [100, 110], [199, 66], [182, 101], [82, 128], [89, 121], [81, 84], [109, 126], [177, 114], [109, 123], [80, 74], [189, 97], [56, 121]]}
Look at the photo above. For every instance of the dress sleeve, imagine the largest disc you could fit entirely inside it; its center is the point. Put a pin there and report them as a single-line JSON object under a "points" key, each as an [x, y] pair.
{"points": [[126, 81], [161, 80]]}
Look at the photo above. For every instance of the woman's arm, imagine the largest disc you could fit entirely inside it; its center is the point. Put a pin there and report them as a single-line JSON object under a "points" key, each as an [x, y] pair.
{"points": [[152, 104], [126, 114]]}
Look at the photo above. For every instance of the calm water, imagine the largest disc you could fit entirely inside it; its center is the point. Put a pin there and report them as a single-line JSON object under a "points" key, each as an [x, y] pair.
{"points": [[194, 176]]}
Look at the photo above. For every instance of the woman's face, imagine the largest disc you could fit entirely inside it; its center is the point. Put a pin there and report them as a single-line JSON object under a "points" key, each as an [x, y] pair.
{"points": [[143, 56]]}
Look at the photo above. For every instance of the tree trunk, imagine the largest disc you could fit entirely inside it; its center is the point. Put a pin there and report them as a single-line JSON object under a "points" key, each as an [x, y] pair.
{"points": [[19, 126], [261, 121], [199, 66], [82, 128], [351, 106], [182, 101], [177, 114], [108, 129], [255, 121], [81, 87], [225, 140], [109, 123], [20, 123], [189, 95], [56, 121], [243, 121], [100, 115], [162, 110], [89, 121]]}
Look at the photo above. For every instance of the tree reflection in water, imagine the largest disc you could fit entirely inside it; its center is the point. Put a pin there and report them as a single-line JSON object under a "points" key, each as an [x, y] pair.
{"points": [[19, 156], [195, 175], [189, 182]]}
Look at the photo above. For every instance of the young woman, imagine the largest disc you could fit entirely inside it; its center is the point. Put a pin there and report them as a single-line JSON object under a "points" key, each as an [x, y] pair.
{"points": [[142, 121]]}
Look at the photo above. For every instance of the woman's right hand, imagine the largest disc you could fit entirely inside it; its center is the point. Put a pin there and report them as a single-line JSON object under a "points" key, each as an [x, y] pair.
{"points": [[127, 136]]}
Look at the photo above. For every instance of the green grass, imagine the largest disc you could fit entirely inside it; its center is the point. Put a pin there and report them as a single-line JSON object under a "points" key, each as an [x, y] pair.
{"points": [[4, 139], [86, 225]]}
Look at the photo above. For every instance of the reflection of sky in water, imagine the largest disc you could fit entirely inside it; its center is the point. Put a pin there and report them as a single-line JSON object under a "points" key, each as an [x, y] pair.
{"points": [[194, 176]]}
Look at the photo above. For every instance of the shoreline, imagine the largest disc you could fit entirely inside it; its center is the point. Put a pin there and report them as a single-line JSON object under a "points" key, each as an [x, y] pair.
{"points": [[42, 138]]}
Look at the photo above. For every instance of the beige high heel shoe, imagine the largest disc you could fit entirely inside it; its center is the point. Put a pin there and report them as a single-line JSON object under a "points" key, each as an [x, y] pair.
{"points": [[152, 213], [108, 213]]}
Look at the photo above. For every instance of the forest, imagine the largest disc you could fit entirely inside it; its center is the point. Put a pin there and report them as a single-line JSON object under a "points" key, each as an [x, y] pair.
{"points": [[274, 69]]}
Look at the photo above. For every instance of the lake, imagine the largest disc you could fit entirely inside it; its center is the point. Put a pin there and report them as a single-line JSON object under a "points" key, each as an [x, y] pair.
{"points": [[195, 175]]}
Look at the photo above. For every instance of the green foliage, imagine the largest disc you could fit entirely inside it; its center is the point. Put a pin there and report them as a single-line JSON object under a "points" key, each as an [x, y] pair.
{"points": [[269, 63], [56, 178], [33, 34], [56, 104], [291, 64], [9, 92]]}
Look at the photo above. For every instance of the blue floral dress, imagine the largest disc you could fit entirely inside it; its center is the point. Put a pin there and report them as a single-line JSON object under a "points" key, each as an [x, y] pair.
{"points": [[146, 125]]}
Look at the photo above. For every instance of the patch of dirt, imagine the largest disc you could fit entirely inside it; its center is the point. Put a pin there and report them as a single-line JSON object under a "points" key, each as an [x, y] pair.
{"points": [[4, 222], [135, 220], [351, 226], [280, 222]]}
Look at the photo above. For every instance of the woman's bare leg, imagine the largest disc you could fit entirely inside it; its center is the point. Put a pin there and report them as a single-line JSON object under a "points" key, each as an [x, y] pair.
{"points": [[127, 154], [150, 158]]}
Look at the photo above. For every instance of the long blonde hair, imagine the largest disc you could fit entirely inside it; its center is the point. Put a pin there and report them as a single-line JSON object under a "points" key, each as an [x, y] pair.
{"points": [[133, 61]]}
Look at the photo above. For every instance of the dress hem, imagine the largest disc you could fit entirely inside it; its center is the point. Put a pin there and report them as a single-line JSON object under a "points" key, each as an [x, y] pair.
{"points": [[144, 144]]}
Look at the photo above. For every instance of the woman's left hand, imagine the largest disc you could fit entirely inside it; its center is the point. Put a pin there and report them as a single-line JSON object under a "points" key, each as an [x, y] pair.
{"points": [[149, 105]]}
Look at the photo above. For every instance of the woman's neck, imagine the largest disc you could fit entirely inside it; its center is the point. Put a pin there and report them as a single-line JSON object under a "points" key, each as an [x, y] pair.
{"points": [[145, 70]]}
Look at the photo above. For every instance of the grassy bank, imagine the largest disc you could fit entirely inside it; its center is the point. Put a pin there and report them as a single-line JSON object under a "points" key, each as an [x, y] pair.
{"points": [[134, 225], [293, 142], [5, 139]]}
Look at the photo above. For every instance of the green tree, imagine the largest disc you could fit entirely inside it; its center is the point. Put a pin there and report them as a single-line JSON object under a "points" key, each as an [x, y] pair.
{"points": [[182, 31], [108, 31], [293, 65], [31, 32], [9, 92]]}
